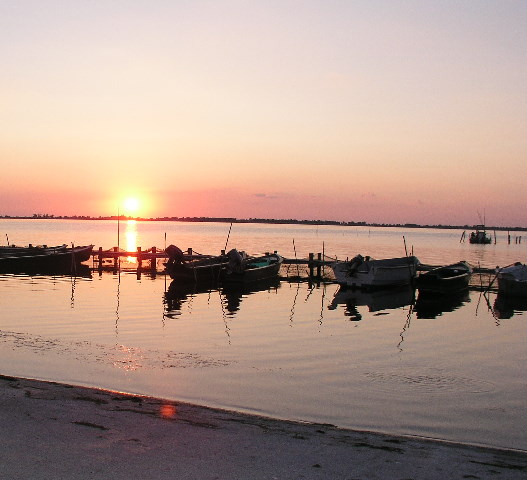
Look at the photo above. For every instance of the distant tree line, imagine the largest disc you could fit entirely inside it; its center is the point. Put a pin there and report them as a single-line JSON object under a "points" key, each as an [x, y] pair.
{"points": [[289, 221]]}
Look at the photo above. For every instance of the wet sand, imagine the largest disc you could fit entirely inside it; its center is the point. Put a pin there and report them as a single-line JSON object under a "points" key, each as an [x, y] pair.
{"points": [[56, 431]]}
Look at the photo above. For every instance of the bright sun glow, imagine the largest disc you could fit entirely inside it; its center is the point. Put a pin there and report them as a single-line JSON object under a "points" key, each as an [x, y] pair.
{"points": [[131, 205]]}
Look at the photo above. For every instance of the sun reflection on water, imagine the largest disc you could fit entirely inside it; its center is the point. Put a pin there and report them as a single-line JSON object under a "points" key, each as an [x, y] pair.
{"points": [[131, 239]]}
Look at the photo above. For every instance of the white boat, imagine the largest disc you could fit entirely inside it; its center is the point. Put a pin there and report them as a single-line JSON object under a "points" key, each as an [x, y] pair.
{"points": [[512, 280], [366, 272]]}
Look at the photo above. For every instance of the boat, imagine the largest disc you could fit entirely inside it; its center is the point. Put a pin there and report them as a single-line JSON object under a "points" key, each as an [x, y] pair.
{"points": [[35, 259], [244, 269], [446, 279], [512, 280], [364, 272], [196, 268], [480, 236]]}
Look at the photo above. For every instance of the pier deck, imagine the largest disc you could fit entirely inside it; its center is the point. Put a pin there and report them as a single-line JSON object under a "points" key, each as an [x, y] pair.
{"points": [[313, 261]]}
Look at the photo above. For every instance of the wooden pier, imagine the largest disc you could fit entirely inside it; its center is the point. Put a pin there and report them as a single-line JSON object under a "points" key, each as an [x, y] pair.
{"points": [[314, 262]]}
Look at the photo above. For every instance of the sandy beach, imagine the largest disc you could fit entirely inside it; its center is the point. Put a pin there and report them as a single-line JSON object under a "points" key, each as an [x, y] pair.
{"points": [[56, 431]]}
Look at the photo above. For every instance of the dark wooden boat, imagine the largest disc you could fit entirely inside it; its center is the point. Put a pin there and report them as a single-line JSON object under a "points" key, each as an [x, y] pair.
{"points": [[447, 279], [36, 259], [203, 269], [194, 268], [244, 269]]}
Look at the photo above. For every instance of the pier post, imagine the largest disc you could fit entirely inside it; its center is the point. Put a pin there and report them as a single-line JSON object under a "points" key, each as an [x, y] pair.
{"points": [[153, 260], [139, 259], [319, 266], [100, 258], [115, 257], [310, 264]]}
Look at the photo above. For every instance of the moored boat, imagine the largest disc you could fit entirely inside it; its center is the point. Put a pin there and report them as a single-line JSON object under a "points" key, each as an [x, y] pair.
{"points": [[245, 269], [35, 259], [198, 270], [446, 279], [512, 280], [480, 236], [369, 273]]}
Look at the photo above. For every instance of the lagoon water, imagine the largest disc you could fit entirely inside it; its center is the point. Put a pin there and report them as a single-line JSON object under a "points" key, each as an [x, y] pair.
{"points": [[290, 349]]}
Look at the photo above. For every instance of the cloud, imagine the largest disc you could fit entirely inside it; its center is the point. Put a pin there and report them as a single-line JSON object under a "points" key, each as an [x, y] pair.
{"points": [[265, 195]]}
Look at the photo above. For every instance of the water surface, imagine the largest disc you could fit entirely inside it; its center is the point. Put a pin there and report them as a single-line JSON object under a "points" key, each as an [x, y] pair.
{"points": [[393, 362]]}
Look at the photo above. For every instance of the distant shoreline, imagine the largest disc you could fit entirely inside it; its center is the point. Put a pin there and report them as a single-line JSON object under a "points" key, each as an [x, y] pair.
{"points": [[259, 220]]}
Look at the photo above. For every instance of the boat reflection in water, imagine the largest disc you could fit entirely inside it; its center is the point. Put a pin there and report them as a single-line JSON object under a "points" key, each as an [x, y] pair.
{"points": [[179, 293], [81, 271], [506, 306], [375, 300], [431, 305], [235, 292]]}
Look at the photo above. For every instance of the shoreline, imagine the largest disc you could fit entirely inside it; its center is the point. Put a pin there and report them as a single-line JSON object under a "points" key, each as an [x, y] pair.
{"points": [[55, 430]]}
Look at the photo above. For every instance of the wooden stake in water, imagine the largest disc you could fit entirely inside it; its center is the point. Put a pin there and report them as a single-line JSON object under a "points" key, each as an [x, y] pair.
{"points": [[228, 235], [294, 249]]}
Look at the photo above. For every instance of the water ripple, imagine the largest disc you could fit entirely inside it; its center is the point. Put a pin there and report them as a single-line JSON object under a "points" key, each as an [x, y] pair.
{"points": [[119, 356], [427, 380]]}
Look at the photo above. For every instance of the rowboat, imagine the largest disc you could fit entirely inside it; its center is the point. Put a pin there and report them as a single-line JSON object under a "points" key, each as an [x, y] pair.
{"points": [[449, 278], [368, 273], [42, 258], [243, 269], [512, 280], [198, 270]]}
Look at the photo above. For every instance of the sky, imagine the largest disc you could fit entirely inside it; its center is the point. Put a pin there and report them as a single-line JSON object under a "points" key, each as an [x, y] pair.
{"points": [[410, 111]]}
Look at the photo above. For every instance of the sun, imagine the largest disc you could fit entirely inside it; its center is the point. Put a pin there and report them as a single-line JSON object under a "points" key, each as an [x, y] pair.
{"points": [[131, 205]]}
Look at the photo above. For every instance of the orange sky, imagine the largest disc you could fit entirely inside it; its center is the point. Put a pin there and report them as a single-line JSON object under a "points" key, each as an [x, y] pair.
{"points": [[372, 111]]}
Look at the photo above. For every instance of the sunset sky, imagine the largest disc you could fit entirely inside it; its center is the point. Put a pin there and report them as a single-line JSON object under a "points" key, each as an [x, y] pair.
{"points": [[380, 111]]}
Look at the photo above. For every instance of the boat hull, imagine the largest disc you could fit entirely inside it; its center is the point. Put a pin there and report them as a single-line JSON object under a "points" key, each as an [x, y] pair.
{"points": [[256, 270], [46, 260], [512, 281], [447, 279], [376, 273], [205, 270]]}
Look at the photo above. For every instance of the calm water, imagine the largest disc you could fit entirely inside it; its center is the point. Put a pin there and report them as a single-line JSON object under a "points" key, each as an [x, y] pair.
{"points": [[295, 350]]}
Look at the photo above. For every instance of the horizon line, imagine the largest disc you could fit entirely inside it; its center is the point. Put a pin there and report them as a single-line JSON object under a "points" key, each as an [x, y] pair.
{"points": [[290, 221]]}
